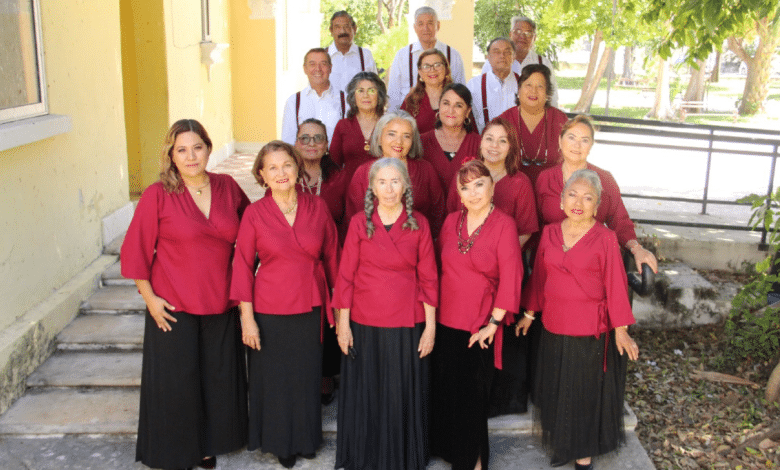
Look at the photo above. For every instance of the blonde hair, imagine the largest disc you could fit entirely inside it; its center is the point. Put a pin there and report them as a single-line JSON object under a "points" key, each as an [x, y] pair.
{"points": [[169, 174]]}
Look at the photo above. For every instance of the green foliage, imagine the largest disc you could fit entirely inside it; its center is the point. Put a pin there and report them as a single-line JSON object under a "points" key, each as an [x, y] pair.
{"points": [[364, 13], [386, 45], [753, 332], [491, 20]]}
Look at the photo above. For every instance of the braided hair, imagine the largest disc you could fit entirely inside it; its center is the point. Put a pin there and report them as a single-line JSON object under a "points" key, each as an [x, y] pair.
{"points": [[368, 201]]}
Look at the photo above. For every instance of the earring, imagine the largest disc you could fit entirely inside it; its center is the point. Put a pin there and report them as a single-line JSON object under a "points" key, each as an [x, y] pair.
{"points": [[467, 121], [561, 206]]}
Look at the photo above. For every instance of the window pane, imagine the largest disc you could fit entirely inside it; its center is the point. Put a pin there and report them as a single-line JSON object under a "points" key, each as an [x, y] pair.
{"points": [[19, 67]]}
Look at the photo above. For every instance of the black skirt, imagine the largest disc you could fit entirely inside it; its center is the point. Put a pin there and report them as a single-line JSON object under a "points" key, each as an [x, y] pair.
{"points": [[579, 406], [509, 391], [193, 390], [383, 401], [285, 414], [460, 382]]}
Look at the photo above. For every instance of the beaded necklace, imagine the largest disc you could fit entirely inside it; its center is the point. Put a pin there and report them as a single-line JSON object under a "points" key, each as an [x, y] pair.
{"points": [[465, 245]]}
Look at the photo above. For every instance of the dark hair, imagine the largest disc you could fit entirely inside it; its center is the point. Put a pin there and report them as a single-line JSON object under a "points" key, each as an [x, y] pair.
{"points": [[273, 146], [512, 161], [327, 165], [339, 14], [472, 170], [414, 97], [465, 94], [381, 93], [320, 50], [169, 174], [580, 119], [526, 73], [500, 38]]}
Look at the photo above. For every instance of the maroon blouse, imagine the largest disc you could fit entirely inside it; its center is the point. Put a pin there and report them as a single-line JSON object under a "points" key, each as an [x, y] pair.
{"points": [[446, 168], [348, 147], [541, 144], [426, 116]]}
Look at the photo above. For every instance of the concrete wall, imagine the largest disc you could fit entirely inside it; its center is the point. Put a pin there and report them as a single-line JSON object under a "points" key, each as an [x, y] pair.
{"points": [[459, 32]]}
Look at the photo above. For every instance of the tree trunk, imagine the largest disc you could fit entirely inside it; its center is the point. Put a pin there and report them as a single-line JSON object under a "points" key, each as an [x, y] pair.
{"points": [[398, 11], [772, 392], [662, 108], [594, 57], [695, 90], [715, 76], [758, 67], [628, 64], [379, 20]]}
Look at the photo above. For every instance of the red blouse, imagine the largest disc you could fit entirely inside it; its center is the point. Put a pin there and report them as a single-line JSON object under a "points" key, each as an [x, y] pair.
{"points": [[426, 115], [513, 195], [297, 263], [185, 256], [426, 192], [542, 143], [446, 168], [488, 276], [611, 210], [348, 147], [332, 191], [385, 279], [582, 291]]}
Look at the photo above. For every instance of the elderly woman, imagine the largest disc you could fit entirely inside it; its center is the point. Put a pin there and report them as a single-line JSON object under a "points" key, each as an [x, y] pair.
{"points": [[433, 74], [396, 136], [387, 291], [536, 122], [580, 284], [480, 290], [575, 141], [367, 98], [283, 303], [179, 249], [453, 140]]}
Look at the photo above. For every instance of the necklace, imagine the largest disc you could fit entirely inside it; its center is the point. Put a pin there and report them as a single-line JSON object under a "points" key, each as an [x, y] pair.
{"points": [[465, 245], [524, 158], [311, 189], [290, 209], [199, 189]]}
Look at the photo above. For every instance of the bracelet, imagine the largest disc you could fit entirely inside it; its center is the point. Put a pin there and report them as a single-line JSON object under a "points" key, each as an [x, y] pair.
{"points": [[530, 317], [494, 321]]}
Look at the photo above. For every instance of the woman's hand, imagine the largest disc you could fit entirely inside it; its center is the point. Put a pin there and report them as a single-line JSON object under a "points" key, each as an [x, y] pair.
{"points": [[484, 333], [427, 340], [250, 333], [156, 305], [523, 325], [625, 343], [344, 335], [644, 256]]}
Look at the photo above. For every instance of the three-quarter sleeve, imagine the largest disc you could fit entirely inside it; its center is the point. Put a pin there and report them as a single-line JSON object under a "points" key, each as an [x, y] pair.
{"points": [[427, 273], [510, 271], [242, 284], [336, 149], [345, 278], [617, 217], [618, 307], [138, 248]]}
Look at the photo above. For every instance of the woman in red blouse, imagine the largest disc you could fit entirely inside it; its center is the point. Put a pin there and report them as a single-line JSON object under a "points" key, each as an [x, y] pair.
{"points": [[536, 122], [580, 284], [367, 98], [481, 279], [178, 249], [454, 138], [283, 304], [396, 136], [387, 292], [433, 74]]}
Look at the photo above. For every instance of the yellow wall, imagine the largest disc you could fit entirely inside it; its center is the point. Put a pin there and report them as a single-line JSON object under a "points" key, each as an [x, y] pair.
{"points": [[459, 32], [56, 191], [253, 65]]}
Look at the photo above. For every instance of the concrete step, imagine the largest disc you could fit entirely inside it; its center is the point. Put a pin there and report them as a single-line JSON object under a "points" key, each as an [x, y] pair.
{"points": [[114, 299], [103, 331], [113, 276], [73, 411], [115, 246], [89, 369]]}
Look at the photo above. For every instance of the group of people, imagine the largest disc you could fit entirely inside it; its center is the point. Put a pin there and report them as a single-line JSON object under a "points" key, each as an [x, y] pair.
{"points": [[393, 258]]}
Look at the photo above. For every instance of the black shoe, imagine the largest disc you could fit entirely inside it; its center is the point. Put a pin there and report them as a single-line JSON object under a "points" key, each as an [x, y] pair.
{"points": [[311, 456], [579, 466], [208, 462], [558, 462], [287, 462]]}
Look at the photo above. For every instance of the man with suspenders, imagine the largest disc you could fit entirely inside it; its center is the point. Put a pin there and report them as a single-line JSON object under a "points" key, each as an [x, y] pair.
{"points": [[494, 91], [523, 31], [318, 100], [347, 58], [403, 72]]}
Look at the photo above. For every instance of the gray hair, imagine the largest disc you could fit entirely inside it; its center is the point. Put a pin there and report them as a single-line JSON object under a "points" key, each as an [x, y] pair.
{"points": [[425, 11], [522, 19], [375, 147], [500, 38], [588, 176], [381, 92], [411, 222]]}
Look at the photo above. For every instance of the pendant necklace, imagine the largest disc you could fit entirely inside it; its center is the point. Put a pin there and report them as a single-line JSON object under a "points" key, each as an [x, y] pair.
{"points": [[199, 189], [465, 245], [524, 155]]}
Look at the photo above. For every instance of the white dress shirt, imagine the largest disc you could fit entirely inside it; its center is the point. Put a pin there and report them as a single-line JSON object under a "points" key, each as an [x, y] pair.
{"points": [[398, 85], [500, 95], [531, 58], [345, 66], [326, 108]]}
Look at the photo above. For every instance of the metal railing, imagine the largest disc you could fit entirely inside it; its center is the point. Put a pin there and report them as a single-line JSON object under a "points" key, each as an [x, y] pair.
{"points": [[696, 134]]}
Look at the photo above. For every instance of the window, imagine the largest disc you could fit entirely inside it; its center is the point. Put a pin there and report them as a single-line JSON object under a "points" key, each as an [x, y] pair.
{"points": [[22, 83]]}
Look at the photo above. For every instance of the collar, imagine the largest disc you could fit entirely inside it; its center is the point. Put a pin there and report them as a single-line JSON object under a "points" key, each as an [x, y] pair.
{"points": [[333, 50], [417, 46], [308, 90]]}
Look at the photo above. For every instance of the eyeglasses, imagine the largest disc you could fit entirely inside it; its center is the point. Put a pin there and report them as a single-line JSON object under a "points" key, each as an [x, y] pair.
{"points": [[369, 91], [520, 32], [427, 67], [306, 139]]}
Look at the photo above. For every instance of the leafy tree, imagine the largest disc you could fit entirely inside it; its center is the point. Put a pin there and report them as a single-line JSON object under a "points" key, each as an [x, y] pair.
{"points": [[364, 13], [491, 20]]}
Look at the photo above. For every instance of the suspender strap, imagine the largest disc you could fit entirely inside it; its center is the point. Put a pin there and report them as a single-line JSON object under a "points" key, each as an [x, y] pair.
{"points": [[517, 77], [297, 107], [449, 59], [540, 60], [342, 104], [484, 99], [411, 77], [362, 61]]}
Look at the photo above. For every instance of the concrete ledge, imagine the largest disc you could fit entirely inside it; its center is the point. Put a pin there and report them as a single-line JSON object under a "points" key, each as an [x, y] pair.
{"points": [[27, 342], [219, 155], [26, 131], [116, 223]]}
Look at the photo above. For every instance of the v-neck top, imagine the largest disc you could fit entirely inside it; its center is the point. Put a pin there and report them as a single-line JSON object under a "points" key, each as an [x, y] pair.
{"points": [[297, 263], [184, 255], [544, 138]]}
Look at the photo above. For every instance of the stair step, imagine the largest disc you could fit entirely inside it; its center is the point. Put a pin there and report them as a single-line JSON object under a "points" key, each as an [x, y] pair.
{"points": [[89, 369], [113, 276], [114, 299], [103, 332], [115, 246], [73, 411]]}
